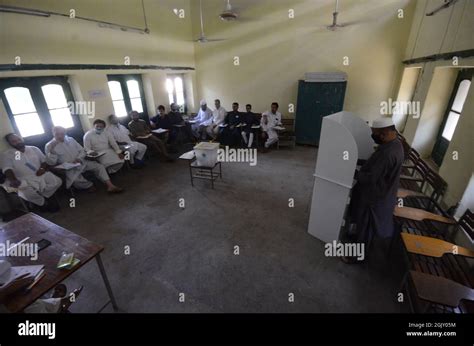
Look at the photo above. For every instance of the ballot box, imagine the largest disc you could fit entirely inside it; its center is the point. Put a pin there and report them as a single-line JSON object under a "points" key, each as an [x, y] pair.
{"points": [[345, 138]]}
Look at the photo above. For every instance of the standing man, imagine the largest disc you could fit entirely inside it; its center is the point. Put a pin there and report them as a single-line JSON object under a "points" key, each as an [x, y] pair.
{"points": [[249, 119], [99, 142], [26, 169], [375, 194], [202, 120], [268, 123], [231, 133], [122, 136], [64, 149], [141, 131], [218, 118]]}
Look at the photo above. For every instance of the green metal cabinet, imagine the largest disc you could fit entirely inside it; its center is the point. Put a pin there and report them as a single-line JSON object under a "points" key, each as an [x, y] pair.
{"points": [[315, 101]]}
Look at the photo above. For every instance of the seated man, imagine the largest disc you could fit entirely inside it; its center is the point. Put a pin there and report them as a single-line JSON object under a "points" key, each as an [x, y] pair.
{"points": [[64, 149], [26, 169], [231, 133], [218, 118], [98, 141], [122, 136], [141, 132], [202, 120], [374, 196], [249, 119], [177, 121], [268, 123]]}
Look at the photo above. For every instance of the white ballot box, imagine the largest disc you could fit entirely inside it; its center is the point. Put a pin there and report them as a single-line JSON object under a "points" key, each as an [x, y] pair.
{"points": [[345, 138]]}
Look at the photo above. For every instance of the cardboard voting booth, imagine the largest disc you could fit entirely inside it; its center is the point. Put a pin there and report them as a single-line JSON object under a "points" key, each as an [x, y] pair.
{"points": [[345, 138]]}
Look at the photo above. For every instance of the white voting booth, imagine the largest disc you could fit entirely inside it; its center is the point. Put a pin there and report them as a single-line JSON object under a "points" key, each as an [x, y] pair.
{"points": [[345, 138]]}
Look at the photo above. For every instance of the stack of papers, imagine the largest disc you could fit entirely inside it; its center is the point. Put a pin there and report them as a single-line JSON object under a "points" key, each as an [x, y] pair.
{"points": [[12, 273]]}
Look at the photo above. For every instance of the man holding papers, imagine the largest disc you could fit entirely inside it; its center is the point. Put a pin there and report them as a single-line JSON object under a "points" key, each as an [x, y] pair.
{"points": [[141, 131], [26, 170], [101, 146], [64, 151], [122, 136]]}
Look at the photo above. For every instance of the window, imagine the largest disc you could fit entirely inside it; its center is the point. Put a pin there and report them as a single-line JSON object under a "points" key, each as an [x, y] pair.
{"points": [[456, 109], [36, 104], [57, 105], [24, 111], [452, 115], [134, 93], [175, 89], [127, 94], [117, 99]]}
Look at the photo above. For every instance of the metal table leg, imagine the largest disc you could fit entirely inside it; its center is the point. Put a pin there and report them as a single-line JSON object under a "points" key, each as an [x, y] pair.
{"points": [[106, 282]]}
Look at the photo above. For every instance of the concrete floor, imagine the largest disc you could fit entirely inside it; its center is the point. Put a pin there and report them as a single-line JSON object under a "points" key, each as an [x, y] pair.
{"points": [[191, 250]]}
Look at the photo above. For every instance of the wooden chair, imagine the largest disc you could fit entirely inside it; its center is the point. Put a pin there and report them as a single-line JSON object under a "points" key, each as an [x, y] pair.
{"points": [[439, 290], [287, 137], [466, 223], [420, 215], [433, 247], [434, 255]]}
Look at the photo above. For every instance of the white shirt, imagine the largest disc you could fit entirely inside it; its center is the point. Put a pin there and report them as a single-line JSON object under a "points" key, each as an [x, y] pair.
{"points": [[120, 133], [24, 164], [274, 119], [100, 142], [67, 151], [204, 117], [218, 116]]}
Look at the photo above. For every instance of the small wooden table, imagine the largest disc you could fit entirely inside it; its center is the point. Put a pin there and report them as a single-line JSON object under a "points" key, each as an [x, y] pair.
{"points": [[62, 240], [420, 215], [201, 172]]}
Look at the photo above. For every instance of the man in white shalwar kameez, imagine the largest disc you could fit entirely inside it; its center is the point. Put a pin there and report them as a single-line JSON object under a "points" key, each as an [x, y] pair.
{"points": [[269, 121], [218, 118], [122, 136], [26, 169], [63, 149], [202, 120], [99, 141]]}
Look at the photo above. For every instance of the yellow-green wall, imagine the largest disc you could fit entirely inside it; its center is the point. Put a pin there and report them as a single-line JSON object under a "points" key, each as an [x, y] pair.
{"points": [[275, 51]]}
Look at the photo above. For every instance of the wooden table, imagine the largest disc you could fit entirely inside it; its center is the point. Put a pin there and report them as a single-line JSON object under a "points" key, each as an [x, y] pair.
{"points": [[62, 240], [420, 215]]}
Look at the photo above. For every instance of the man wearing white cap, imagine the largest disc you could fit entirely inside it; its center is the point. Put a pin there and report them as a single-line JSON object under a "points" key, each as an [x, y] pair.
{"points": [[375, 194], [202, 120]]}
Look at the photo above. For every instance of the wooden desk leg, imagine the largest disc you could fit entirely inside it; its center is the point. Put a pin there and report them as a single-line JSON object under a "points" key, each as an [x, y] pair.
{"points": [[106, 282]]}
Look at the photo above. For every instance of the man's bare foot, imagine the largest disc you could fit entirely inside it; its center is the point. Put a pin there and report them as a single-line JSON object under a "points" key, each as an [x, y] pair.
{"points": [[114, 189]]}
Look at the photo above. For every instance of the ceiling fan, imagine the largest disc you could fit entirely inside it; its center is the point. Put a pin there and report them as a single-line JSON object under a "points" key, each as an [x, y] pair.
{"points": [[334, 24], [446, 4], [228, 14], [202, 38]]}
